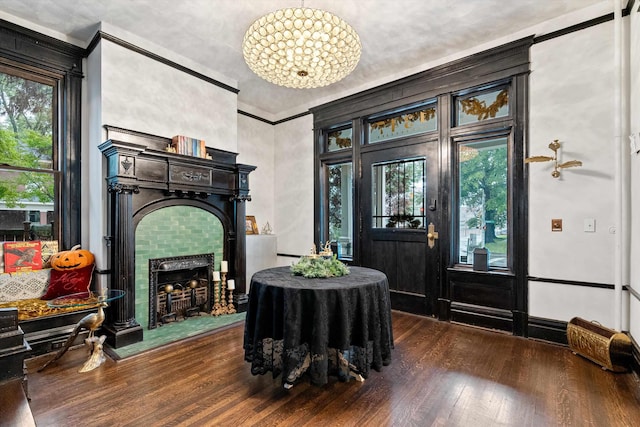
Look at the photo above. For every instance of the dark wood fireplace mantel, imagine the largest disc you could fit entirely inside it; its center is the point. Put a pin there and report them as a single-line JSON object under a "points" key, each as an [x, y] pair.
{"points": [[142, 177]]}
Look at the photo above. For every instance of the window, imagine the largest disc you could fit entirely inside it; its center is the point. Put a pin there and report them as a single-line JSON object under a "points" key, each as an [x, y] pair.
{"points": [[482, 201], [340, 191], [404, 124], [40, 134], [482, 106], [339, 139], [398, 194], [27, 187]]}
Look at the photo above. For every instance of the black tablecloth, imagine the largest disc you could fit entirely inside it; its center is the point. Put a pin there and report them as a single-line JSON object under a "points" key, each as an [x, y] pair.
{"points": [[337, 325]]}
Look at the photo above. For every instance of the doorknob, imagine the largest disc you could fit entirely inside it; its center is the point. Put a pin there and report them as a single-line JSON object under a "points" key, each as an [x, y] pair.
{"points": [[432, 235]]}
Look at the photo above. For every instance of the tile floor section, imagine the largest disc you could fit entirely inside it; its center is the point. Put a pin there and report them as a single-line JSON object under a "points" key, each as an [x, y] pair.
{"points": [[176, 331]]}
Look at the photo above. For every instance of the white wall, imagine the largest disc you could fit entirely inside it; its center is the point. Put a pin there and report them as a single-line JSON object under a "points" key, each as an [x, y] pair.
{"points": [[294, 186], [256, 147], [571, 99], [145, 95], [634, 48], [129, 90]]}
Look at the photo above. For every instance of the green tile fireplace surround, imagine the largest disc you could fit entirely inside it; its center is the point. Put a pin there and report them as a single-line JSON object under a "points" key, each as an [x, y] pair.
{"points": [[168, 232]]}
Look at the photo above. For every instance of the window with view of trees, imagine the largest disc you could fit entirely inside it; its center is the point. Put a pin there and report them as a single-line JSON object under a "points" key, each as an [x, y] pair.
{"points": [[40, 136], [482, 177], [340, 191], [27, 188]]}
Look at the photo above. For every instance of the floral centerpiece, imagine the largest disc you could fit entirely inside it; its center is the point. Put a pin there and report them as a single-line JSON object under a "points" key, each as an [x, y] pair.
{"points": [[320, 265]]}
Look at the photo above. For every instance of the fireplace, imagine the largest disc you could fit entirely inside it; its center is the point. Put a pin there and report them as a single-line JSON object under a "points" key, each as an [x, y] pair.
{"points": [[179, 288], [144, 180]]}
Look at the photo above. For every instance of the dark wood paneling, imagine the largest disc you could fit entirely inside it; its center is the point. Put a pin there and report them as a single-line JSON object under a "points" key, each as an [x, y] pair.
{"points": [[411, 262], [482, 288], [409, 303], [487, 294], [383, 255]]}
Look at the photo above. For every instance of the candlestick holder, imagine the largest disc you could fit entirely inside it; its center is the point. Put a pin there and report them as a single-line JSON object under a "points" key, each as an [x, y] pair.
{"points": [[230, 307], [223, 291], [217, 308]]}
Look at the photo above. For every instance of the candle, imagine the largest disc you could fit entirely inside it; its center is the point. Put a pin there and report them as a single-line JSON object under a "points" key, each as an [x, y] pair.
{"points": [[224, 266], [231, 284], [216, 276]]}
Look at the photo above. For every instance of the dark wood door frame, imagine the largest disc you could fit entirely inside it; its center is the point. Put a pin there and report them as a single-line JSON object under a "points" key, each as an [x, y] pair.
{"points": [[465, 295]]}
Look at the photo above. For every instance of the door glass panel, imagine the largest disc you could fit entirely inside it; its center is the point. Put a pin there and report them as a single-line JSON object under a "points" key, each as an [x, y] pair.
{"points": [[484, 106], [339, 139], [405, 124], [399, 194], [482, 203], [341, 208]]}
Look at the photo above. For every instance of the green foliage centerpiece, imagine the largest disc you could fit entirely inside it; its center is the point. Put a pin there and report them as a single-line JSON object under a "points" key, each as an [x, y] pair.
{"points": [[320, 265]]}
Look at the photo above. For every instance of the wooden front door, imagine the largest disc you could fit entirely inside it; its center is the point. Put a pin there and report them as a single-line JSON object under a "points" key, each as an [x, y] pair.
{"points": [[398, 200]]}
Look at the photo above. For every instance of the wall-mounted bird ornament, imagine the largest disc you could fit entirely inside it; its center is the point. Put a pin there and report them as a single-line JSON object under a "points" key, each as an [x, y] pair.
{"points": [[554, 146]]}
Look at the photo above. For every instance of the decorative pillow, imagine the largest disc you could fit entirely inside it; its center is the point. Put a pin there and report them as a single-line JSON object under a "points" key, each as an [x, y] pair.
{"points": [[26, 285], [63, 283]]}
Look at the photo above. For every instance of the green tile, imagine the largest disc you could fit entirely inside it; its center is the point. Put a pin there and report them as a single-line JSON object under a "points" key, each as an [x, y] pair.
{"points": [[162, 335]]}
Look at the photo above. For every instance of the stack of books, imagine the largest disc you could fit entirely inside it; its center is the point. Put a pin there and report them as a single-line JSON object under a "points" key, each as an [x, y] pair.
{"points": [[188, 146]]}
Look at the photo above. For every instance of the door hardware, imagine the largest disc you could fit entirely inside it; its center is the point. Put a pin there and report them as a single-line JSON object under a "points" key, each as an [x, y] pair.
{"points": [[432, 235]]}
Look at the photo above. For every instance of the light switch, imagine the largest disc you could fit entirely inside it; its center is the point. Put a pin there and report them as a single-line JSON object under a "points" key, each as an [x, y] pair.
{"points": [[589, 225], [556, 224]]}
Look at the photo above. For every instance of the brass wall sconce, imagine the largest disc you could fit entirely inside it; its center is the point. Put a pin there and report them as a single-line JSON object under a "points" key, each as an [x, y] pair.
{"points": [[554, 146]]}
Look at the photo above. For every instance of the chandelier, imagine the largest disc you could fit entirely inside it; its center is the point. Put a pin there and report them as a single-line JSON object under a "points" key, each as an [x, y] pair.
{"points": [[301, 48]]}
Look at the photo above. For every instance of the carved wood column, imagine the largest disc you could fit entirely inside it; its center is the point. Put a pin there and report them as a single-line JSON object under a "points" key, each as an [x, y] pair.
{"points": [[239, 245], [121, 324]]}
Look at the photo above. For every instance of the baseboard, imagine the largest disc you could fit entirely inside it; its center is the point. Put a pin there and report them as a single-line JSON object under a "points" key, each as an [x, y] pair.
{"points": [[554, 331], [484, 317], [410, 303]]}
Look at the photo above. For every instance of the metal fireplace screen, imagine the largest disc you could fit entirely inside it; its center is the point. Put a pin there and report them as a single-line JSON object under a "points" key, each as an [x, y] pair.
{"points": [[179, 287]]}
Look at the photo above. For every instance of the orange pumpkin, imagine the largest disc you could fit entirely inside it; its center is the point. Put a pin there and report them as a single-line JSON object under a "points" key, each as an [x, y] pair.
{"points": [[72, 259]]}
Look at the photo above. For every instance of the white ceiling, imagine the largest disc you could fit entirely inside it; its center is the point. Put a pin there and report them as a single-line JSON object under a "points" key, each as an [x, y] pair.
{"points": [[398, 37]]}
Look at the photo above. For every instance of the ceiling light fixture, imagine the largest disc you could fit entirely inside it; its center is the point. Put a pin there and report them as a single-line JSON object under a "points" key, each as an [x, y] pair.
{"points": [[301, 48]]}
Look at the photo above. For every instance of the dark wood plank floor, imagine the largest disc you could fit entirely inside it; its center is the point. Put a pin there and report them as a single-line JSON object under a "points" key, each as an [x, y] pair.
{"points": [[441, 374]]}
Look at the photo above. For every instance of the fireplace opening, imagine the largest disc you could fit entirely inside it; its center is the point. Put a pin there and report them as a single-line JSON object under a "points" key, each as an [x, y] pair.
{"points": [[179, 287]]}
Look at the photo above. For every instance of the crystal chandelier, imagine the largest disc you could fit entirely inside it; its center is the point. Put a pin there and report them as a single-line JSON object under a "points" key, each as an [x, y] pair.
{"points": [[301, 48]]}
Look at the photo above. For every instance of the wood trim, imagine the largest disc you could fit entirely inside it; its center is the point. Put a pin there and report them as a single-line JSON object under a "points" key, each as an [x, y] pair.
{"points": [[289, 255], [37, 53], [484, 317], [495, 64], [547, 330], [583, 25], [101, 35], [580, 283]]}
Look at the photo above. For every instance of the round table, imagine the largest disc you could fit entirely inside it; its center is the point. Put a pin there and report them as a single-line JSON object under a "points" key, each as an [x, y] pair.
{"points": [[337, 325]]}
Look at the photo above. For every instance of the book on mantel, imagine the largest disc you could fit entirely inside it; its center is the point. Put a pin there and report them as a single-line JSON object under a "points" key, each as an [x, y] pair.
{"points": [[189, 146]]}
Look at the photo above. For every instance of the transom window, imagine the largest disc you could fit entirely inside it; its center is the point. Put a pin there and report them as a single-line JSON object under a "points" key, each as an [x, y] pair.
{"points": [[403, 124], [480, 106], [339, 139]]}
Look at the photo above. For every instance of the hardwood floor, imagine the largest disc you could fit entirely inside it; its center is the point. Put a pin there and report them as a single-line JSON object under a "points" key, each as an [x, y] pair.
{"points": [[441, 374]]}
